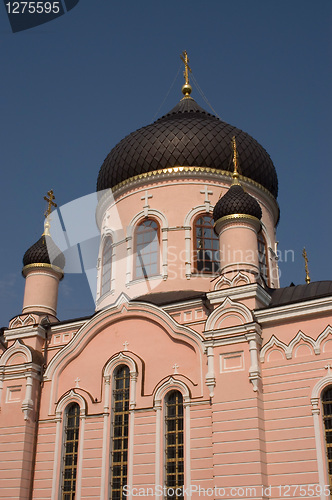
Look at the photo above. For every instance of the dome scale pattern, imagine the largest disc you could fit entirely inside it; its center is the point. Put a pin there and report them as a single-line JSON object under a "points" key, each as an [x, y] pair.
{"points": [[44, 251], [236, 201], [186, 136]]}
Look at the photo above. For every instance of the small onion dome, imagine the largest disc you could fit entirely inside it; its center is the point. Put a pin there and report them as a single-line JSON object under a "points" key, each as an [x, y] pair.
{"points": [[236, 201], [44, 251]]}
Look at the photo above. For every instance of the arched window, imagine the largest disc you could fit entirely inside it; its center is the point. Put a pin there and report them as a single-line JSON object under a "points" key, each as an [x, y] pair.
{"points": [[147, 249], [70, 450], [262, 257], [206, 245], [106, 266], [174, 443], [327, 419], [119, 459]]}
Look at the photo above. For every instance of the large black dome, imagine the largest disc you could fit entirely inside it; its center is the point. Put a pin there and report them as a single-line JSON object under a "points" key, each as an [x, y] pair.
{"points": [[187, 136]]}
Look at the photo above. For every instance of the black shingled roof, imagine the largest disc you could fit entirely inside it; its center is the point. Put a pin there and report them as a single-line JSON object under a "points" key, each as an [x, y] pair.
{"points": [[300, 293], [187, 136]]}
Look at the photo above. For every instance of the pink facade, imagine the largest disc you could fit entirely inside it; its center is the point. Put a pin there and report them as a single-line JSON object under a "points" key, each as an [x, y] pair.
{"points": [[242, 364]]}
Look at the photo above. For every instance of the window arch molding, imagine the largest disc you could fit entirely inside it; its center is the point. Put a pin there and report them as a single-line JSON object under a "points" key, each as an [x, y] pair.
{"points": [[316, 402], [71, 397], [263, 235], [188, 224], [109, 234], [147, 249], [63, 403], [162, 221], [206, 250], [110, 368], [172, 384]]}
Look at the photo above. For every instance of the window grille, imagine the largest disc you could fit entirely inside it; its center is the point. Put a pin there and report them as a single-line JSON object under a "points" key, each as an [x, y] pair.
{"points": [[206, 246], [71, 432], [327, 419], [174, 450], [120, 412]]}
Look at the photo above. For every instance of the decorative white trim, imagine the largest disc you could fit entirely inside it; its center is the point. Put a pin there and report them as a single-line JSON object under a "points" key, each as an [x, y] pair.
{"points": [[210, 377], [16, 348], [107, 317], [296, 310], [251, 291], [23, 320], [70, 397], [25, 332], [299, 337], [163, 246], [233, 308], [223, 280], [113, 363], [66, 399], [107, 234], [319, 437], [106, 429], [171, 384], [271, 343]]}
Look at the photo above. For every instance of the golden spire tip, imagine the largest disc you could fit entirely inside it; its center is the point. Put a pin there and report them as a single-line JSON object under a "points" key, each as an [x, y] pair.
{"points": [[305, 256], [186, 88], [235, 163]]}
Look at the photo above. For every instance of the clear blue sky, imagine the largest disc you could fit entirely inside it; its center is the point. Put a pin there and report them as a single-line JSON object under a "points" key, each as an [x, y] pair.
{"points": [[72, 88]]}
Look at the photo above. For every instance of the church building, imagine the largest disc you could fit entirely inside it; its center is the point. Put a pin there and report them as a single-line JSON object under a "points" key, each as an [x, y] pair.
{"points": [[197, 376]]}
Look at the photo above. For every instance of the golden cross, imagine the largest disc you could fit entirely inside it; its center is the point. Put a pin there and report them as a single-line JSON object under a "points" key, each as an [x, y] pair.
{"points": [[235, 162], [304, 255], [185, 59], [50, 203]]}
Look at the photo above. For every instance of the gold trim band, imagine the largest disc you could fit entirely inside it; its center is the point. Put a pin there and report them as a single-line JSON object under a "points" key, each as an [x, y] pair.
{"points": [[236, 217], [42, 265], [180, 169]]}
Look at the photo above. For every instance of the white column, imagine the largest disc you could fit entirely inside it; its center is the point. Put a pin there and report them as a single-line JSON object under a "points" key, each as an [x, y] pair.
{"points": [[58, 442], [80, 455], [105, 435], [129, 240], [158, 409], [210, 376], [164, 235], [132, 406], [187, 236], [316, 416], [187, 464]]}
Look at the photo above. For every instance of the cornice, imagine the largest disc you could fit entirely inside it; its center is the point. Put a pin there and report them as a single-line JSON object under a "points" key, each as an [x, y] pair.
{"points": [[25, 332], [292, 311], [254, 290], [233, 335]]}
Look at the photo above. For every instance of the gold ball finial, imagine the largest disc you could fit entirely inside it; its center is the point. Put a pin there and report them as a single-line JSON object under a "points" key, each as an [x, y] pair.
{"points": [[186, 89]]}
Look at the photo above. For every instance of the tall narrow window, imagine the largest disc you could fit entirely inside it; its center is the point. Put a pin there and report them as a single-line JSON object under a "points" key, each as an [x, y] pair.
{"points": [[106, 269], [71, 432], [327, 418], [206, 245], [174, 443], [262, 257], [147, 249], [119, 457]]}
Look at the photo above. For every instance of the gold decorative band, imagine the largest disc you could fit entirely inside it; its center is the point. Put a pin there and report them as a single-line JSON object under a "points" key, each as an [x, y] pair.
{"points": [[181, 169], [236, 217], [42, 265]]}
